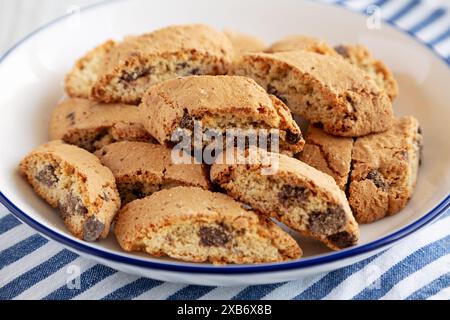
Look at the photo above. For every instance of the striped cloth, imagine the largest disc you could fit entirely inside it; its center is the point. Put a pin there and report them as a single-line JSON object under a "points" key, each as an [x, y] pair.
{"points": [[32, 267]]}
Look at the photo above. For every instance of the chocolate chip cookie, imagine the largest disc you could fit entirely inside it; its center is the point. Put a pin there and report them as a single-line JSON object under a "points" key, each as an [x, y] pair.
{"points": [[219, 104], [385, 169], [90, 125], [141, 169], [326, 90], [74, 181], [195, 225], [358, 55], [329, 154], [303, 198], [122, 71]]}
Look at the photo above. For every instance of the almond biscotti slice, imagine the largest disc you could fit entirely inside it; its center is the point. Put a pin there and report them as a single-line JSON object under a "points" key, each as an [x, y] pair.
{"points": [[131, 66], [325, 90], [74, 181], [329, 154], [195, 225], [303, 198], [141, 169], [385, 170], [358, 55], [219, 103], [91, 125]]}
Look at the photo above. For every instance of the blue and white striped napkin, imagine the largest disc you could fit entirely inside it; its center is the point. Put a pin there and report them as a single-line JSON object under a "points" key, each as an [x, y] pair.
{"points": [[32, 267]]}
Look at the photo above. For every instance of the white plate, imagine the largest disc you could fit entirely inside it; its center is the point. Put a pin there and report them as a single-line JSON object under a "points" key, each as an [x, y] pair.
{"points": [[31, 77]]}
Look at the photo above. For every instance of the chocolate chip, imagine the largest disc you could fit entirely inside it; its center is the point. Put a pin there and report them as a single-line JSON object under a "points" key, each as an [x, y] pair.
{"points": [[71, 118], [328, 222], [105, 196], [93, 229], [71, 205], [214, 237], [47, 176], [377, 179], [195, 71], [342, 50], [420, 130], [272, 90], [293, 137], [136, 74], [343, 239], [292, 195], [187, 122], [182, 65]]}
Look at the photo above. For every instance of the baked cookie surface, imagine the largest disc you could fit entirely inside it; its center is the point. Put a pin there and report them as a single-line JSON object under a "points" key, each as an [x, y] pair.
{"points": [[124, 71], [329, 154], [195, 225], [296, 194], [219, 103], [325, 90], [141, 169], [358, 55], [90, 125], [385, 169], [74, 181]]}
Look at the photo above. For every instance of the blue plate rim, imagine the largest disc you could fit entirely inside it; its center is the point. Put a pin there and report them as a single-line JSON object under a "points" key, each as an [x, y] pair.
{"points": [[208, 269]]}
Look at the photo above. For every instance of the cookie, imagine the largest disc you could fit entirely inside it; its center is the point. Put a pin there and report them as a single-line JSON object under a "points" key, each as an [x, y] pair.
{"points": [[244, 43], [329, 154], [220, 103], [327, 91], [125, 71], [195, 225], [385, 169], [141, 169], [363, 58], [305, 199], [358, 55], [73, 180], [90, 125]]}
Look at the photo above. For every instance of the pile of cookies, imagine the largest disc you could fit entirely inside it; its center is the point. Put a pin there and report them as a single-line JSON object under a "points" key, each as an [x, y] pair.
{"points": [[109, 167]]}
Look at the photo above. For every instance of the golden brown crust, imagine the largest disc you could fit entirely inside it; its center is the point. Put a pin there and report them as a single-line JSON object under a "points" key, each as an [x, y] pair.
{"points": [[385, 168], [244, 43], [141, 169], [195, 225], [74, 181], [296, 194], [324, 90], [91, 125], [220, 102]]}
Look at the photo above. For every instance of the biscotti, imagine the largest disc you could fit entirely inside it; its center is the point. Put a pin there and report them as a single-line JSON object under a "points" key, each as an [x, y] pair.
{"points": [[358, 55], [327, 91], [74, 181], [296, 194], [385, 169], [195, 225], [141, 169], [244, 43], [122, 71], [218, 104], [90, 125]]}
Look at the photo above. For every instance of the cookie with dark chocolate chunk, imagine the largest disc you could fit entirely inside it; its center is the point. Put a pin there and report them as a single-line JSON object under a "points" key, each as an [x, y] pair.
{"points": [[74, 182], [385, 169], [195, 225], [292, 192]]}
